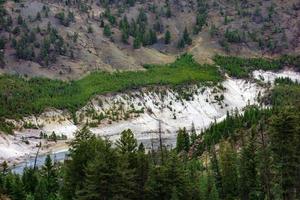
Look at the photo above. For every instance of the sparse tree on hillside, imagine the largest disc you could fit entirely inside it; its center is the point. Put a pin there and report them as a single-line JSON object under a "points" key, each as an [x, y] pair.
{"points": [[167, 37], [107, 31]]}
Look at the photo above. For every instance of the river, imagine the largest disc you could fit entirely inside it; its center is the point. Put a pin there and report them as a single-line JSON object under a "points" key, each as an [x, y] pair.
{"points": [[56, 157]]}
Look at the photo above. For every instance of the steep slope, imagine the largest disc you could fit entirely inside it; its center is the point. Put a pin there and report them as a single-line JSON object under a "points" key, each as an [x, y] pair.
{"points": [[141, 111], [66, 39]]}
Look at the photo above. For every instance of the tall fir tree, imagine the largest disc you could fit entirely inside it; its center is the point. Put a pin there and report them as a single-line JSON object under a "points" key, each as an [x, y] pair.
{"points": [[228, 163], [248, 170], [216, 173], [167, 37], [183, 141], [283, 137]]}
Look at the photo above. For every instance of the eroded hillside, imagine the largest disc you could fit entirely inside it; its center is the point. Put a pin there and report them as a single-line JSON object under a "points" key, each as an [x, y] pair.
{"points": [[66, 39]]}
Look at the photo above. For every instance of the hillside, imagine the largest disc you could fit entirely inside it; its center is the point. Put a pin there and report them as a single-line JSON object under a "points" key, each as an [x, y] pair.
{"points": [[66, 39], [254, 155], [149, 100]]}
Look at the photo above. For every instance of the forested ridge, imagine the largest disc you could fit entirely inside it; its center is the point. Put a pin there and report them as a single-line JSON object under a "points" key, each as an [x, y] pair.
{"points": [[250, 156]]}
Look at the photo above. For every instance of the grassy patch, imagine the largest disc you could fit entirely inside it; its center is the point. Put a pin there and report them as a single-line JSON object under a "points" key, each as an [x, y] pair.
{"points": [[242, 67], [19, 97]]}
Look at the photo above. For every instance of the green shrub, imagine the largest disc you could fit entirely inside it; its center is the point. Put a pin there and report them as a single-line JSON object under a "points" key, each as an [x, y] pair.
{"points": [[241, 67]]}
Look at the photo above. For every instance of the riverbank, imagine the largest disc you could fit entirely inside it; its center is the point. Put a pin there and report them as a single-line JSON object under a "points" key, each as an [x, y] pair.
{"points": [[142, 112]]}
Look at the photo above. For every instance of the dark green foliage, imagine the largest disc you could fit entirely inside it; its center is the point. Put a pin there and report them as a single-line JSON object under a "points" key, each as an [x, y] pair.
{"points": [[24, 48], [131, 2], [124, 26], [46, 54], [30, 180], [65, 20], [216, 173], [200, 22], [107, 176], [248, 170], [137, 42], [229, 171], [2, 43], [150, 38], [107, 31], [110, 173], [127, 143], [201, 17], [285, 93], [284, 138], [183, 141], [167, 37], [233, 36], [185, 40], [37, 184], [181, 43], [90, 29], [168, 179], [158, 27], [83, 149], [2, 62], [168, 12], [241, 67], [290, 60], [229, 127]]}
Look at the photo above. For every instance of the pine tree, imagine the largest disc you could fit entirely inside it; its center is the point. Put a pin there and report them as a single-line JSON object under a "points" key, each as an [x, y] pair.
{"points": [[228, 163], [18, 192], [165, 180], [50, 175], [181, 43], [137, 42], [107, 31], [193, 134], [283, 138], [167, 37], [183, 141], [264, 168], [29, 197], [174, 195], [107, 175], [186, 37], [156, 187], [141, 172], [208, 189], [216, 172], [168, 12], [153, 37], [248, 170], [82, 149], [41, 192], [125, 37], [127, 143], [30, 179]]}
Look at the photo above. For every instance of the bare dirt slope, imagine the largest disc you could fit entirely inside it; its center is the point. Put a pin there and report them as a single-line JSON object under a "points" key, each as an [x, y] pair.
{"points": [[67, 39]]}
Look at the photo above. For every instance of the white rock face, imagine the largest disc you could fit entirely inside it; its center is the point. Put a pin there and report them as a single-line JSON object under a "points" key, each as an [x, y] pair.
{"points": [[268, 76], [202, 110], [141, 112]]}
